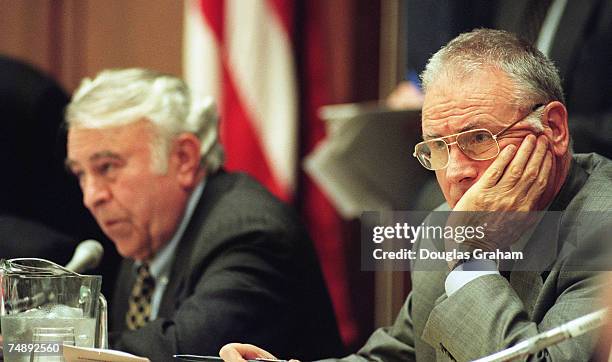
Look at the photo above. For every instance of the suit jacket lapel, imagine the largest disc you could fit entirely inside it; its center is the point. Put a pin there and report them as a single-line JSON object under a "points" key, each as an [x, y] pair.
{"points": [[176, 279], [126, 280], [182, 266]]}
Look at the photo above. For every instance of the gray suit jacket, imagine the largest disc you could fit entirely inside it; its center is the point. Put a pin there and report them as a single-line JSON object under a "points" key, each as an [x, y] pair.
{"points": [[492, 313]]}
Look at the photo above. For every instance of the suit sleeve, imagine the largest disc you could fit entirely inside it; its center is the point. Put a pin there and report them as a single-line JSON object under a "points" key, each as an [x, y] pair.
{"points": [[486, 316]]}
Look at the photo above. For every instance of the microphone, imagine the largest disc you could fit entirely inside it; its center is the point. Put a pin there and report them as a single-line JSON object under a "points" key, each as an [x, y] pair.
{"points": [[87, 255], [571, 329]]}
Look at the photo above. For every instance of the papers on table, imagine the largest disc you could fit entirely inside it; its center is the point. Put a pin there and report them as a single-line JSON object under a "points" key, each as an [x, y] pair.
{"points": [[81, 354]]}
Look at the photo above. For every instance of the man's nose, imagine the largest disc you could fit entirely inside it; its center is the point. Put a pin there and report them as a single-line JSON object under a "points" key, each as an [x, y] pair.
{"points": [[460, 167], [95, 192]]}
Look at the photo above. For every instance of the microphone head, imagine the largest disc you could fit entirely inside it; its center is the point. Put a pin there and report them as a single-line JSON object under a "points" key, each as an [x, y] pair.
{"points": [[87, 255], [93, 248]]}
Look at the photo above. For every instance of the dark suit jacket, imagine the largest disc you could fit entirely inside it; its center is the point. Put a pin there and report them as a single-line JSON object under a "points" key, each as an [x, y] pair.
{"points": [[582, 52], [32, 107], [244, 270], [21, 238], [491, 312]]}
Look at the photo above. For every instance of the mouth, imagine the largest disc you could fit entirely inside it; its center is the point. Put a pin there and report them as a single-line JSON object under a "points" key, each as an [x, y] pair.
{"points": [[116, 229], [111, 223]]}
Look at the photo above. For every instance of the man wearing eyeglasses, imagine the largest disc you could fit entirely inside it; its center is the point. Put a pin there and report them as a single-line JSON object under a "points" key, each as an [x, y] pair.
{"points": [[495, 133]]}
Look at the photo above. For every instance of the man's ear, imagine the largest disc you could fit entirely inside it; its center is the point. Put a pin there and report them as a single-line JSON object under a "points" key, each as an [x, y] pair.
{"points": [[185, 157], [556, 129]]}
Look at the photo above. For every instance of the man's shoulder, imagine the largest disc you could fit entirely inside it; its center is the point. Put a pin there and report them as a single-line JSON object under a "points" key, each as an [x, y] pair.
{"points": [[596, 192], [240, 195], [239, 183], [595, 164], [233, 204]]}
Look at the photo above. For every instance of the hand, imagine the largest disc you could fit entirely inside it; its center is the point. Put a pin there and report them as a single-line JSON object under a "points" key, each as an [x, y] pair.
{"points": [[503, 197], [239, 352], [511, 186]]}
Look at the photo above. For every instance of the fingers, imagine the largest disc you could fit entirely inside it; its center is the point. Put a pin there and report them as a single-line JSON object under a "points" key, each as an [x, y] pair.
{"points": [[533, 167], [495, 171], [539, 185], [516, 168], [230, 353], [239, 352]]}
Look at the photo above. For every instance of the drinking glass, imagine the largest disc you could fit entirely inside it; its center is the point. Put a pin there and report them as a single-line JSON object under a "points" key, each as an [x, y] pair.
{"points": [[48, 342]]}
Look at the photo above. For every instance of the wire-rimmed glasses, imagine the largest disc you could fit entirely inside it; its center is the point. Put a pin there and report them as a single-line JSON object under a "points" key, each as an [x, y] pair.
{"points": [[478, 144]]}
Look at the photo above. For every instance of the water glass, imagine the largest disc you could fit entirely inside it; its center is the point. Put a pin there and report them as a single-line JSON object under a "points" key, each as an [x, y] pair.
{"points": [[48, 342]]}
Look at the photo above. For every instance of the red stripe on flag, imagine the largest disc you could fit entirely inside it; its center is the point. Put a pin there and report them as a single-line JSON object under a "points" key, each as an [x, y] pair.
{"points": [[324, 224], [245, 152], [283, 10], [212, 12], [238, 136]]}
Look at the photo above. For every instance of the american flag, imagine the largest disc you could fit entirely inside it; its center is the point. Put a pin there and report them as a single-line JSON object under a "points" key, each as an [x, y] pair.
{"points": [[240, 52]]}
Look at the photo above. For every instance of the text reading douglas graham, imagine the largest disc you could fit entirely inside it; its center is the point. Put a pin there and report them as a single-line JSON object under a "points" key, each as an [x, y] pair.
{"points": [[411, 233]]}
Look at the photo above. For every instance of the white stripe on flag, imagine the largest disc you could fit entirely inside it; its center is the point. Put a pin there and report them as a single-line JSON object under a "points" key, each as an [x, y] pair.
{"points": [[201, 64], [261, 60]]}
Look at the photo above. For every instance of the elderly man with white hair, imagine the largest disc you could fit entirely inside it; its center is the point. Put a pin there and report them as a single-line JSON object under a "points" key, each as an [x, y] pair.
{"points": [[211, 257]]}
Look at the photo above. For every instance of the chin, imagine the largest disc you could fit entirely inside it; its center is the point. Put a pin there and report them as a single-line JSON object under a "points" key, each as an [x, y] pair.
{"points": [[127, 250], [125, 253]]}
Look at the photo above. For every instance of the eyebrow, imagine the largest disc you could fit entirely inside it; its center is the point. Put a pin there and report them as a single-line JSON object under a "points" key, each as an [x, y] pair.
{"points": [[96, 156], [477, 123]]}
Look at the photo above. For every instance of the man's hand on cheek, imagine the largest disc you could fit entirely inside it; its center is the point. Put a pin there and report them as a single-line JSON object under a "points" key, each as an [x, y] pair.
{"points": [[503, 197], [512, 182]]}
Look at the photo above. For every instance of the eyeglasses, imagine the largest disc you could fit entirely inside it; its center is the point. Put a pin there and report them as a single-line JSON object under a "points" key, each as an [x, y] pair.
{"points": [[478, 144]]}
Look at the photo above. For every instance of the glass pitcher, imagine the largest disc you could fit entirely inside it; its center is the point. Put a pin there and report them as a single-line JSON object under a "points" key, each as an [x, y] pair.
{"points": [[37, 293]]}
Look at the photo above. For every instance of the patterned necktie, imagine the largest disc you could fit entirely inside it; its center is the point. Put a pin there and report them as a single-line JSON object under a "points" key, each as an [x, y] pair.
{"points": [[139, 302]]}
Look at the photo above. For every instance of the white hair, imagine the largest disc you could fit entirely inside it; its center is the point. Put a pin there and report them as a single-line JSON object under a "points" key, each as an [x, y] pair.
{"points": [[535, 78], [534, 120], [119, 97]]}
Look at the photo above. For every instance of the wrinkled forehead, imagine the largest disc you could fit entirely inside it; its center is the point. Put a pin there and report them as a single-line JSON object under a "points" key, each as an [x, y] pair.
{"points": [[484, 100], [84, 142]]}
